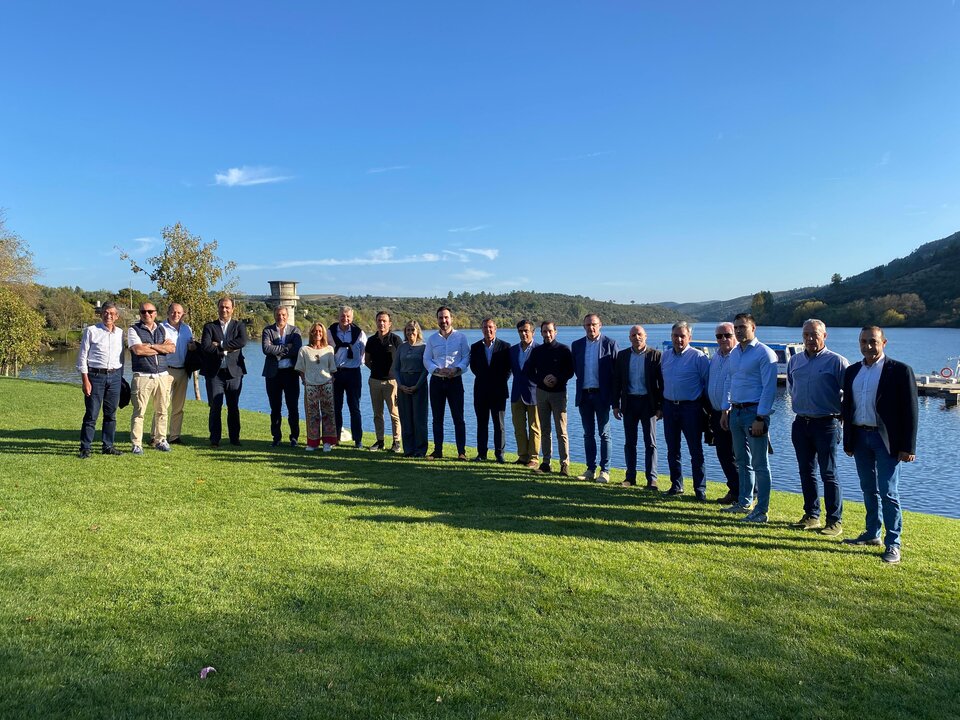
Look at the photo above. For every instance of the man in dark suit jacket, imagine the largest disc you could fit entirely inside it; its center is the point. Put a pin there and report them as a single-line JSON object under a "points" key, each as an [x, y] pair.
{"points": [[523, 399], [281, 344], [223, 367], [638, 400], [593, 357], [879, 410], [490, 364]]}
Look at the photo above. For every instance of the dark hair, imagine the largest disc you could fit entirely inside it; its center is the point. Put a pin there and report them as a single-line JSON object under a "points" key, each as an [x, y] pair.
{"points": [[108, 305], [874, 328], [383, 312], [745, 316], [442, 308], [548, 322], [486, 320], [523, 323]]}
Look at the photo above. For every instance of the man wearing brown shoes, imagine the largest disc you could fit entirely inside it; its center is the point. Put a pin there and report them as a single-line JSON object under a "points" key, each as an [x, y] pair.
{"points": [[523, 399], [551, 367]]}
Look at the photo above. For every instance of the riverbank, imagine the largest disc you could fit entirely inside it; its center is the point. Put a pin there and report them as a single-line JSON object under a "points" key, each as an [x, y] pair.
{"points": [[358, 585]]}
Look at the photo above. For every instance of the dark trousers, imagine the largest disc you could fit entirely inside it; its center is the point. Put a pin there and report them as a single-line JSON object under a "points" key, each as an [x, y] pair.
{"points": [[638, 414], [684, 417], [284, 386], [413, 420], [222, 386], [347, 381], [815, 441], [595, 417], [105, 393], [723, 444], [485, 411], [447, 391]]}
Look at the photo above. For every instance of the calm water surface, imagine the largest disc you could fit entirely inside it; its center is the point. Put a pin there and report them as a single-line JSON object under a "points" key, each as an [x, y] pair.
{"points": [[931, 484]]}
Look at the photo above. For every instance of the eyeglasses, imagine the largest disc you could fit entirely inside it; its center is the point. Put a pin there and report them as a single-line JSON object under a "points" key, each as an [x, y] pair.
{"points": [[721, 336], [148, 312]]}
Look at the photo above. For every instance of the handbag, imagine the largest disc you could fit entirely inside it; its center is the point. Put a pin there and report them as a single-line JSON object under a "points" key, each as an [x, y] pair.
{"points": [[124, 392]]}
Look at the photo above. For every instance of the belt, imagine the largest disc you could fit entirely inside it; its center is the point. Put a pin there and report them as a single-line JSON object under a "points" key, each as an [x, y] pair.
{"points": [[681, 402], [174, 367], [872, 428], [591, 390], [102, 371], [809, 418], [741, 406]]}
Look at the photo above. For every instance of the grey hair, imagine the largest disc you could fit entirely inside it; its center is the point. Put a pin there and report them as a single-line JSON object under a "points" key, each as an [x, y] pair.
{"points": [[682, 325], [723, 325], [817, 323], [346, 308]]}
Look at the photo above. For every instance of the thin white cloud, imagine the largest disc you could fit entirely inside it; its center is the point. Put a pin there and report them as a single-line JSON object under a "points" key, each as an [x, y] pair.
{"points": [[389, 168], [380, 256], [138, 247], [468, 229], [488, 253], [456, 254], [587, 156], [471, 275], [245, 176]]}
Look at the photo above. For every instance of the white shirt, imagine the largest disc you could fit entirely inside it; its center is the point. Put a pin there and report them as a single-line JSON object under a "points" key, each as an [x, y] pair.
{"points": [[181, 338], [865, 393], [359, 347], [444, 352], [134, 339], [100, 349]]}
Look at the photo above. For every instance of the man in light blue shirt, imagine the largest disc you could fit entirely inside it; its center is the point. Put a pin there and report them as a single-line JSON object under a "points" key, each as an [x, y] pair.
{"points": [[750, 388], [593, 358], [815, 381], [685, 373], [722, 439]]}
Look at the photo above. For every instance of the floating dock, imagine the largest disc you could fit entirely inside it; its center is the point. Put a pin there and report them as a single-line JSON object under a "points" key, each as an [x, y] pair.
{"points": [[937, 386]]}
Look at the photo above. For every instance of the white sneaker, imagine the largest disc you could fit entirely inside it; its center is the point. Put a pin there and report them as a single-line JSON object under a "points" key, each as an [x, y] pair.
{"points": [[603, 477], [587, 475], [310, 448], [327, 447]]}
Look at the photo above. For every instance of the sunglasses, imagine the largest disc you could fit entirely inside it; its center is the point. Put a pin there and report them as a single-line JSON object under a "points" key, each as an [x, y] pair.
{"points": [[148, 312], [721, 336]]}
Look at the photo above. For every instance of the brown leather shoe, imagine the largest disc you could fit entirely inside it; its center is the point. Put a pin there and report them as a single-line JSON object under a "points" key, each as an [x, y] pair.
{"points": [[565, 469], [533, 465]]}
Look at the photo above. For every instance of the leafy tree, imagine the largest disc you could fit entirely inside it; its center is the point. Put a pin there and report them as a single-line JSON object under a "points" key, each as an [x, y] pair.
{"points": [[187, 271], [21, 333], [836, 279], [16, 260], [762, 305], [65, 309]]}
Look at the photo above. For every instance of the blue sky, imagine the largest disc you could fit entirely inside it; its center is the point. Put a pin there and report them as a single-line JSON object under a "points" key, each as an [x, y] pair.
{"points": [[640, 151]]}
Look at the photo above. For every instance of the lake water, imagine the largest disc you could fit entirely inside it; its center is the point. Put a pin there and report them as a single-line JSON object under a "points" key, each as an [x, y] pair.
{"points": [[931, 484]]}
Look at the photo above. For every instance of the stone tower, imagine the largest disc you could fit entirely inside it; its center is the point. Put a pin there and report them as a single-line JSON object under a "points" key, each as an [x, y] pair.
{"points": [[284, 293]]}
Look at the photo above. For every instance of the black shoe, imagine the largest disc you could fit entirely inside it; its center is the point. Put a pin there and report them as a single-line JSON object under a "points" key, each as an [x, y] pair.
{"points": [[674, 491], [176, 441], [235, 443], [435, 455], [500, 459], [479, 458], [111, 451], [727, 499], [544, 468], [83, 454], [518, 461], [275, 443], [701, 497], [293, 442], [652, 487]]}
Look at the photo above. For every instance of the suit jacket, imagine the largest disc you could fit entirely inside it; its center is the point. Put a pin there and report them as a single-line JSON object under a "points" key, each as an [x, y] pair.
{"points": [[524, 389], [274, 352], [234, 341], [897, 411], [490, 382], [608, 352], [652, 377]]}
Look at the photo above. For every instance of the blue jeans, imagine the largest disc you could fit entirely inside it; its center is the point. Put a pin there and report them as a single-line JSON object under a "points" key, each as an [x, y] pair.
{"points": [[753, 464], [105, 393], [879, 473], [594, 415], [684, 417], [638, 413], [815, 441]]}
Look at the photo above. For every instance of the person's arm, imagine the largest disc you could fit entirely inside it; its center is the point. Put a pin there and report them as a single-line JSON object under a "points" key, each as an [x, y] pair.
{"points": [[428, 362], [167, 346], [616, 383], [238, 340], [475, 362], [768, 379], [422, 380], [911, 414], [360, 346], [137, 346], [271, 346], [82, 356], [463, 361], [208, 345]]}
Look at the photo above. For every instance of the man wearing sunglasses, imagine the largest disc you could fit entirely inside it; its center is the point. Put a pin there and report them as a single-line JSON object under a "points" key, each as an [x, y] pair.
{"points": [[149, 347], [722, 439]]}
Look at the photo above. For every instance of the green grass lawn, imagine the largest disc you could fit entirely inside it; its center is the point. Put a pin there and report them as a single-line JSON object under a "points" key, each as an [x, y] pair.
{"points": [[361, 585]]}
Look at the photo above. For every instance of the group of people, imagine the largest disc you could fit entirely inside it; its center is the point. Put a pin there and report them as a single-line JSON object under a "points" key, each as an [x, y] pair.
{"points": [[870, 406]]}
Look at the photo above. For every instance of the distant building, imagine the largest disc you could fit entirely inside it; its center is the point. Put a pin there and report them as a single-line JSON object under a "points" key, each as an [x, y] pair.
{"points": [[283, 293]]}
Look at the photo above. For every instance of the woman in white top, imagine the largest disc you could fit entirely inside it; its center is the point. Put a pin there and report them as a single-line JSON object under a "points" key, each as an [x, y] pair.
{"points": [[316, 365]]}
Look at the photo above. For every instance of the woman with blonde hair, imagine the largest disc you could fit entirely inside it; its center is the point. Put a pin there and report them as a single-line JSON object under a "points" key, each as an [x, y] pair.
{"points": [[411, 376], [316, 365]]}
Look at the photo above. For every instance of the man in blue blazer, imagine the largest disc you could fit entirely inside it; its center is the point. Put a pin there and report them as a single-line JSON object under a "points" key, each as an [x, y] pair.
{"points": [[281, 343], [879, 411], [523, 399], [223, 367], [593, 359], [490, 365]]}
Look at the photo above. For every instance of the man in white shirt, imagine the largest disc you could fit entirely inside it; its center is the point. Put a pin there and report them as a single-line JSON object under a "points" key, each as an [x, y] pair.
{"points": [[100, 364], [177, 376], [349, 345], [446, 358]]}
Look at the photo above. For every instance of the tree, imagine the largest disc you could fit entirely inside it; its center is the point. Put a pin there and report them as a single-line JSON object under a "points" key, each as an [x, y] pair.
{"points": [[761, 305], [836, 279], [21, 333], [66, 309], [16, 260], [187, 271]]}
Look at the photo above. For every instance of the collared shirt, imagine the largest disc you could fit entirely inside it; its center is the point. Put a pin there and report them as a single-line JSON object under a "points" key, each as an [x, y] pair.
{"points": [[147, 364], [283, 363], [816, 383], [223, 329], [684, 374], [100, 349], [488, 349], [342, 353], [865, 393], [751, 377], [181, 338], [524, 355], [718, 376], [591, 363], [637, 379], [444, 352]]}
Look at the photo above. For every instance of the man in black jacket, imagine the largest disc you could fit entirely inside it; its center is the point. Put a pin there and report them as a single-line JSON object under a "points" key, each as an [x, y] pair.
{"points": [[879, 411], [551, 366], [637, 400], [378, 357], [490, 364], [223, 367]]}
